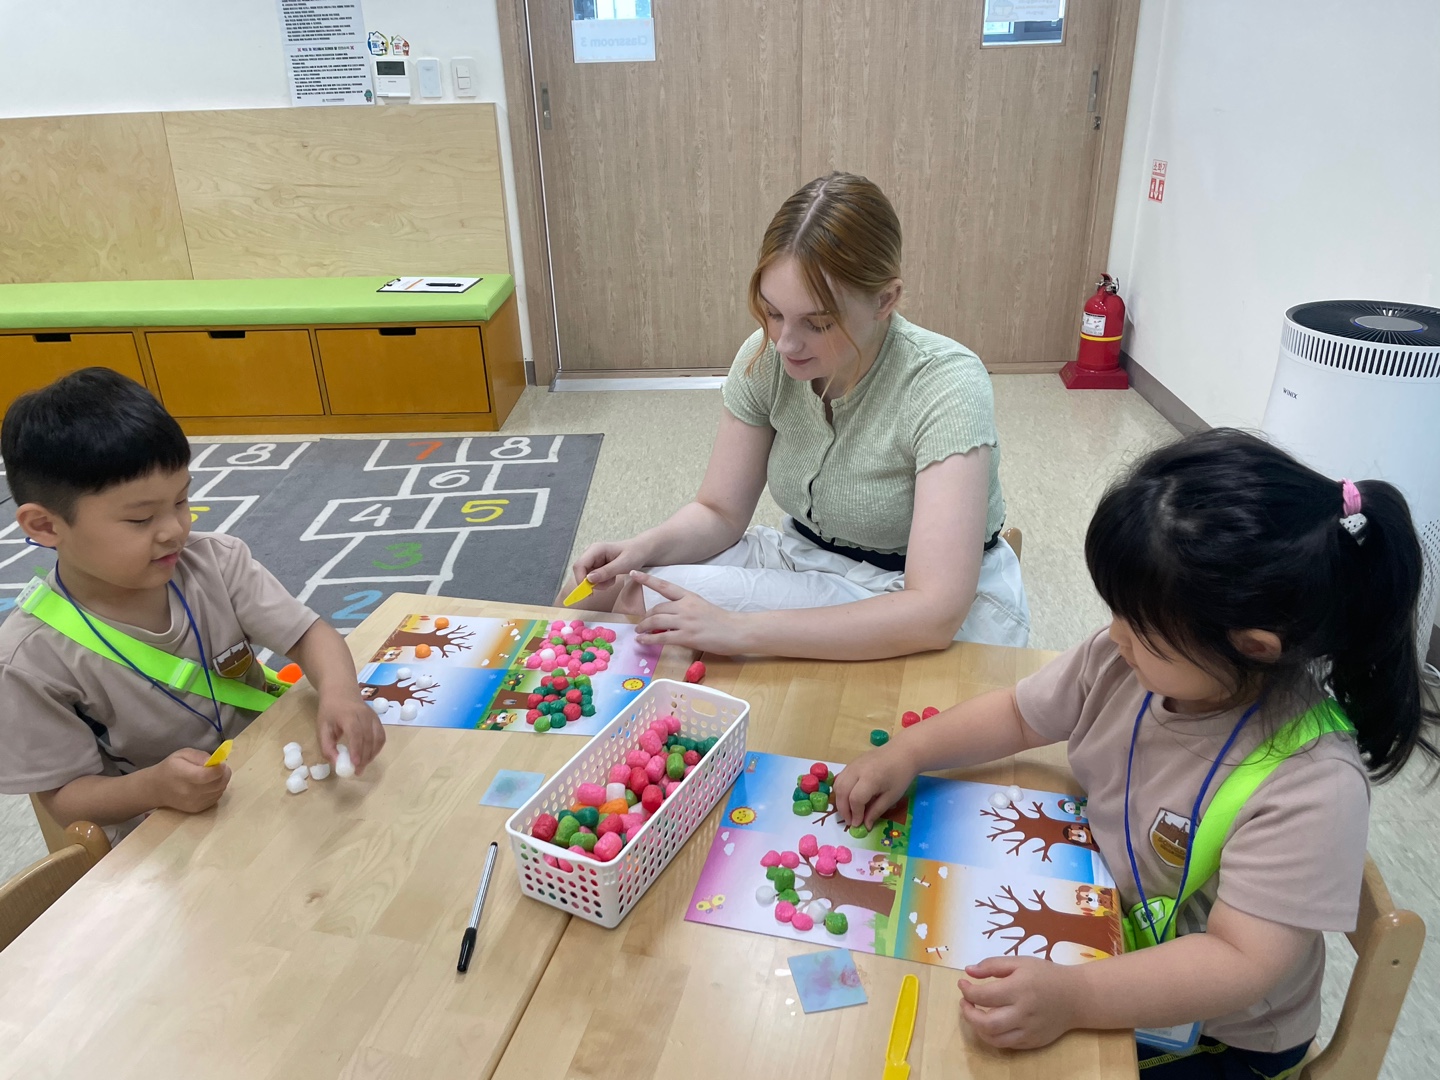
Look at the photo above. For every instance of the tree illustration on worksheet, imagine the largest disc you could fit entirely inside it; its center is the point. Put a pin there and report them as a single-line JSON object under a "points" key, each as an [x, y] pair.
{"points": [[1022, 827], [396, 693], [1096, 929], [444, 639]]}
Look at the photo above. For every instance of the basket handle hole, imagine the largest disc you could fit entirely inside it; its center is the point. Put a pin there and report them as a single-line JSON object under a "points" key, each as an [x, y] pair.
{"points": [[704, 708]]}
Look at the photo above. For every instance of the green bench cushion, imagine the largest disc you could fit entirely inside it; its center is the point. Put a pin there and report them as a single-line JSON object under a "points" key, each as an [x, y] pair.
{"points": [[74, 305]]}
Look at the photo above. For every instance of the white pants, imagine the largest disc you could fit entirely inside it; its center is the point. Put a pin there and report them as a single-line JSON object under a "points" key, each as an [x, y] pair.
{"points": [[779, 570]]}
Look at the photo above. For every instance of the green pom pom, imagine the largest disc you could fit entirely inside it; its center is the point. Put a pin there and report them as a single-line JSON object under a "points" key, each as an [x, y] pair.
{"points": [[819, 801], [588, 816], [800, 793], [770, 871], [543, 724], [582, 681], [587, 710], [788, 894], [566, 832], [586, 656], [826, 788], [558, 722], [802, 808], [879, 737], [674, 766], [586, 840], [859, 832], [784, 879], [837, 923], [631, 797]]}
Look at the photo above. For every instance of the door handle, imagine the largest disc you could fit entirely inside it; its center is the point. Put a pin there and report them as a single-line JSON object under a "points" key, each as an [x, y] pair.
{"points": [[545, 106], [1094, 90]]}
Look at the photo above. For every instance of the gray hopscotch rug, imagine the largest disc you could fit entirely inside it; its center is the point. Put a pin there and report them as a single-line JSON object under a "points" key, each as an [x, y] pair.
{"points": [[343, 523]]}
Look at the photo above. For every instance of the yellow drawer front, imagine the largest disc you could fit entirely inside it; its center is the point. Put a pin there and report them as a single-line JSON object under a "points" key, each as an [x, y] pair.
{"points": [[438, 369], [235, 372], [29, 361]]}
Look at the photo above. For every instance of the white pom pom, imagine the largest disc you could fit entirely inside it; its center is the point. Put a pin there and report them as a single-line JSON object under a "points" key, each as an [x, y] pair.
{"points": [[294, 755], [295, 783], [424, 682], [1015, 793], [999, 800], [401, 674], [301, 771], [409, 711], [765, 895], [380, 705], [321, 771], [343, 768], [614, 791]]}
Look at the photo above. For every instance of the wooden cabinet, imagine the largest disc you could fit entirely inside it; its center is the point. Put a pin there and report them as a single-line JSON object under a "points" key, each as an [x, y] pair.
{"points": [[404, 369], [235, 372], [30, 361]]}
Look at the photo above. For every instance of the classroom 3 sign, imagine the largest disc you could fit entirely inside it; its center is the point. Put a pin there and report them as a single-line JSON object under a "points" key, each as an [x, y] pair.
{"points": [[613, 31]]}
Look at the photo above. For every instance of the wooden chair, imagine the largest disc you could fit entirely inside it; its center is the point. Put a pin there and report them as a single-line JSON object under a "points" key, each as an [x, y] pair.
{"points": [[1014, 539], [1387, 947], [52, 831], [25, 897]]}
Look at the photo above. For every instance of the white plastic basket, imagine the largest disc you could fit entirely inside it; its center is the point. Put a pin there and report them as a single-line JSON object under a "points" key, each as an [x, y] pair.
{"points": [[605, 892]]}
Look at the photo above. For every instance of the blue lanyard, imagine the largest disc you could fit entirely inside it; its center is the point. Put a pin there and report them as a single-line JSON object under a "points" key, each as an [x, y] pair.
{"points": [[1159, 936], [215, 723]]}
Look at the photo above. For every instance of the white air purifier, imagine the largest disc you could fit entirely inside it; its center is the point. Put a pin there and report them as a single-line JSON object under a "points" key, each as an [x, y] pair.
{"points": [[1357, 394]]}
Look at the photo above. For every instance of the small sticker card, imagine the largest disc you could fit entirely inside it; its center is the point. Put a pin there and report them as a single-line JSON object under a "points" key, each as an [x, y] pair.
{"points": [[827, 980], [428, 284], [511, 788]]}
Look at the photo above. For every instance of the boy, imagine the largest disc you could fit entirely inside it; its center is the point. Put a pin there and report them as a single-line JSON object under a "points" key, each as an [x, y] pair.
{"points": [[99, 472]]}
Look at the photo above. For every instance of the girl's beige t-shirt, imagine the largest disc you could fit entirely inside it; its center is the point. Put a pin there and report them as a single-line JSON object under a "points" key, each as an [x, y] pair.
{"points": [[852, 480], [67, 711], [1295, 855]]}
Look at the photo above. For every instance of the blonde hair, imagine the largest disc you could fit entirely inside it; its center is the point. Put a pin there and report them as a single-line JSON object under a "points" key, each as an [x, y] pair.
{"points": [[839, 229]]}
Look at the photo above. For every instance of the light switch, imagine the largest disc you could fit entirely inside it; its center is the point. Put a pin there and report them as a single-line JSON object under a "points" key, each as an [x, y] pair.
{"points": [[466, 75]]}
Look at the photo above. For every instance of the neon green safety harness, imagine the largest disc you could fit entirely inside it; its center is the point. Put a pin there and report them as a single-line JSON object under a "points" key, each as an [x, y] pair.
{"points": [[1214, 827], [160, 667]]}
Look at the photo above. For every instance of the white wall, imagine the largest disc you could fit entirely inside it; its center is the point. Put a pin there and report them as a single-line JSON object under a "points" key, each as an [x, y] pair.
{"points": [[1303, 141], [84, 56]]}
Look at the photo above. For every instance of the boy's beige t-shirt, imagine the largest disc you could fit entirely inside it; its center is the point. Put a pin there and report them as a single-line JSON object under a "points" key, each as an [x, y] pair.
{"points": [[1295, 855], [67, 711]]}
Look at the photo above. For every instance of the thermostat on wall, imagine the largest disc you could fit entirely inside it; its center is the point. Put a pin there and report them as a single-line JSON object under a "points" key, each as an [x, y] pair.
{"points": [[392, 76]]}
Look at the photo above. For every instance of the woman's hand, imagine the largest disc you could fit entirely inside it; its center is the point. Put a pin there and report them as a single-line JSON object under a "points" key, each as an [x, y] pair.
{"points": [[691, 622], [872, 784], [606, 564], [1027, 1003]]}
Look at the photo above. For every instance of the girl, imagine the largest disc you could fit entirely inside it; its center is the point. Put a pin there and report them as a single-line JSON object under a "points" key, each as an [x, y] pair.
{"points": [[1244, 588], [878, 441]]}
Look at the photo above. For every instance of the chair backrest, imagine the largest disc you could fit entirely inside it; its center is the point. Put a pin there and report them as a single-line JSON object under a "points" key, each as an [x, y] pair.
{"points": [[26, 896], [50, 829], [1013, 537], [1387, 946]]}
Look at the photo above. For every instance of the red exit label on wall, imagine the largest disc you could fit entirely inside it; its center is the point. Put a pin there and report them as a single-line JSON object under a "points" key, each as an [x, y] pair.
{"points": [[1157, 180]]}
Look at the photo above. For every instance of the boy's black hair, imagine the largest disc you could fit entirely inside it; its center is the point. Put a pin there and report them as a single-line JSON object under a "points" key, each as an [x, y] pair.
{"points": [[84, 433], [1222, 531]]}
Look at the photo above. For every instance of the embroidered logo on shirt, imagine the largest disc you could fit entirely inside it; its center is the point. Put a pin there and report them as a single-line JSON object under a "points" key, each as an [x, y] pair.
{"points": [[1170, 837], [235, 661]]}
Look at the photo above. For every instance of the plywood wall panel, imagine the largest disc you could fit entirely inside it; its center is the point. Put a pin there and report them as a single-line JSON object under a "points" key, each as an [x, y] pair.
{"points": [[88, 198]]}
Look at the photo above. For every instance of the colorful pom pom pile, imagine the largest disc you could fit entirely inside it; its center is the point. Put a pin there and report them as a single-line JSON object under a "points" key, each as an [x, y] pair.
{"points": [[605, 815], [784, 870], [573, 653]]}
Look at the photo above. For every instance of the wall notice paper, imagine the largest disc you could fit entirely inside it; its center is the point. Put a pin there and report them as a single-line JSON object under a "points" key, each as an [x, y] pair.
{"points": [[953, 873], [493, 674], [428, 284], [325, 57], [1022, 10]]}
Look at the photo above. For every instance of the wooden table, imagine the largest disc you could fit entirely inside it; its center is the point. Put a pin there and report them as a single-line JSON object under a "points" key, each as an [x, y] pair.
{"points": [[315, 935]]}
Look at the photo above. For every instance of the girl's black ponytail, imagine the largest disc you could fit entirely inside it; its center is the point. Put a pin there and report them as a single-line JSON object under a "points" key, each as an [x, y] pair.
{"points": [[1221, 532], [1375, 671]]}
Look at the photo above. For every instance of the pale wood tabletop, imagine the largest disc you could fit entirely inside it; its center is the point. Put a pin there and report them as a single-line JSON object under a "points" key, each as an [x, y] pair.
{"points": [[661, 997], [311, 935]]}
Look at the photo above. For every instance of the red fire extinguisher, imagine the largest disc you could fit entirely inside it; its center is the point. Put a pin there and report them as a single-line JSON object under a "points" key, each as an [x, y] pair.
{"points": [[1097, 365]]}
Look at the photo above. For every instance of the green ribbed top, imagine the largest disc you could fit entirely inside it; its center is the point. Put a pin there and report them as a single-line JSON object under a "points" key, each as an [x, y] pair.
{"points": [[925, 398], [75, 305]]}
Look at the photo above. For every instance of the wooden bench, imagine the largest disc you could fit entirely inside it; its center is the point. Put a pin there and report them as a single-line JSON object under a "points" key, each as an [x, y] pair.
{"points": [[276, 355]]}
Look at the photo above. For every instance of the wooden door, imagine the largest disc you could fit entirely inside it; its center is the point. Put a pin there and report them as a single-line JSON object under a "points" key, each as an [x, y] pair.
{"points": [[660, 177], [989, 155]]}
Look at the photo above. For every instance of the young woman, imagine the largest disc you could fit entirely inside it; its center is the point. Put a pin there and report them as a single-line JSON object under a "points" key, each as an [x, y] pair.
{"points": [[877, 438]]}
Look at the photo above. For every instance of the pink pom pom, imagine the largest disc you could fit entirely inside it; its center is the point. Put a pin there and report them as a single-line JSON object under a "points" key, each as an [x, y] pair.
{"points": [[561, 864], [601, 664], [809, 846], [670, 786], [638, 781], [544, 827], [532, 661], [842, 855], [577, 624], [769, 859], [631, 823], [610, 823], [820, 770], [608, 846], [587, 667], [572, 640], [552, 861], [655, 769], [825, 866], [691, 757], [672, 724], [650, 743], [801, 921], [578, 850], [789, 860], [558, 625], [689, 769], [826, 851], [590, 794], [784, 911], [637, 759], [620, 773], [651, 798]]}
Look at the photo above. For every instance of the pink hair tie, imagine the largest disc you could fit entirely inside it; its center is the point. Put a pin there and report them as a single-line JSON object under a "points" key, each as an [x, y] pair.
{"points": [[1353, 521]]}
